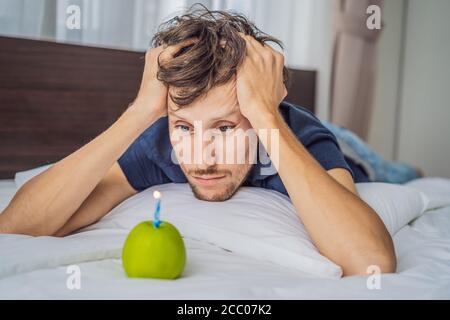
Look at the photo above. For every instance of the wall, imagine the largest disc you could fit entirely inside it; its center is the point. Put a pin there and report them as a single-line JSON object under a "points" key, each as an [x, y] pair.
{"points": [[423, 100], [384, 117], [425, 105]]}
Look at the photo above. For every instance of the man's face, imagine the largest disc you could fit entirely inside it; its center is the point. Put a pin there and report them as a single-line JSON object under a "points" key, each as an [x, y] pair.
{"points": [[207, 137]]}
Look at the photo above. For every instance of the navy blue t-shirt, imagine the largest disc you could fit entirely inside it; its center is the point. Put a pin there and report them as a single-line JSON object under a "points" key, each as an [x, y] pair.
{"points": [[148, 162]]}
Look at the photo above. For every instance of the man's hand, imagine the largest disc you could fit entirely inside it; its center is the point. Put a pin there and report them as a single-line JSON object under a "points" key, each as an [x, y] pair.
{"points": [[259, 81], [152, 96]]}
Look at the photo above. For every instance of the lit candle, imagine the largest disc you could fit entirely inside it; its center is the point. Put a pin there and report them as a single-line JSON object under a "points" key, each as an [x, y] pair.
{"points": [[156, 221]]}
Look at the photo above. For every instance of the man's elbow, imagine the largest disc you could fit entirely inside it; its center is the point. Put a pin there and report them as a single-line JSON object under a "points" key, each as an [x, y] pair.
{"points": [[383, 262], [33, 231], [8, 225]]}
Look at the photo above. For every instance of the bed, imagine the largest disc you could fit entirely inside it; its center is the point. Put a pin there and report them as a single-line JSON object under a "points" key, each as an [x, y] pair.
{"points": [[39, 268], [251, 247]]}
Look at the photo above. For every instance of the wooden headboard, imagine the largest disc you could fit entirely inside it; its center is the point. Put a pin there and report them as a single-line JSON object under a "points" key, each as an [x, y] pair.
{"points": [[56, 97]]}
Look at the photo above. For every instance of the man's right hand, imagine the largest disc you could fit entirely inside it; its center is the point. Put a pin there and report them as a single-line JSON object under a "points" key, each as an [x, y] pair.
{"points": [[153, 94]]}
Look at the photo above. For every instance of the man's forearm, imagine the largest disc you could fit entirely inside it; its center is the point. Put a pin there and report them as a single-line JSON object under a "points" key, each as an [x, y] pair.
{"points": [[46, 202], [343, 227]]}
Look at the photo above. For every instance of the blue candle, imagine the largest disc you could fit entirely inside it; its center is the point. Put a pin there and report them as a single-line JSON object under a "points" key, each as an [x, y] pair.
{"points": [[156, 221]]}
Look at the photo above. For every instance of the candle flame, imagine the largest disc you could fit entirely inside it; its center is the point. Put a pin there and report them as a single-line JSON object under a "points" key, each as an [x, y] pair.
{"points": [[157, 195]]}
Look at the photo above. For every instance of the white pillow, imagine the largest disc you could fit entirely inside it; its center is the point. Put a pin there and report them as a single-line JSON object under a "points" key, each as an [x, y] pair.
{"points": [[437, 190], [255, 222], [397, 205]]}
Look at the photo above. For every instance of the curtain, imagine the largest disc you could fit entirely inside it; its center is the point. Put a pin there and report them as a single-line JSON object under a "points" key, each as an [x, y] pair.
{"points": [[130, 24], [27, 18], [303, 25], [353, 70]]}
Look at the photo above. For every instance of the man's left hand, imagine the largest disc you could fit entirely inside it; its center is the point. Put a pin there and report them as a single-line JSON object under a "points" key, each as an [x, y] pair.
{"points": [[259, 81]]}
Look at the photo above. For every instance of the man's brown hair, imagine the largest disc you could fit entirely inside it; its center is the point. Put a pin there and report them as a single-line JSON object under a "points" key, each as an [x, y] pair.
{"points": [[213, 59]]}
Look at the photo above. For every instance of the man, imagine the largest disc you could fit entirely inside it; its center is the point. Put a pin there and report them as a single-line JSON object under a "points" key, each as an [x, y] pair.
{"points": [[211, 71]]}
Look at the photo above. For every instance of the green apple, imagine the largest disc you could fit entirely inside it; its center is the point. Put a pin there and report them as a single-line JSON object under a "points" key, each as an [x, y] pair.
{"points": [[154, 252]]}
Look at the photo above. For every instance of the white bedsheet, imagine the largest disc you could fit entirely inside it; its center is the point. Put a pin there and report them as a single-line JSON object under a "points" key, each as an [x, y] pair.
{"points": [[423, 251], [7, 190]]}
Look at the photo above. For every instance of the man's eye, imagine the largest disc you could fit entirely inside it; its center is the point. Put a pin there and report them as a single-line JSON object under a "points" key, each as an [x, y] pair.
{"points": [[225, 129], [183, 128]]}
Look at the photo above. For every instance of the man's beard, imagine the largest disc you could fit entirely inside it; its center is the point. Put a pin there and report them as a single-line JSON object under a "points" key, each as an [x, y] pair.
{"points": [[228, 191]]}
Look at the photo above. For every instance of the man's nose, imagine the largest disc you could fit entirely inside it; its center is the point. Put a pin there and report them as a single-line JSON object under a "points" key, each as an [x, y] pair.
{"points": [[205, 155]]}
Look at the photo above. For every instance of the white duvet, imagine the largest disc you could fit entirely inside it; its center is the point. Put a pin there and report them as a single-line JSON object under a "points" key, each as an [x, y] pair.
{"points": [[253, 246]]}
